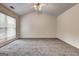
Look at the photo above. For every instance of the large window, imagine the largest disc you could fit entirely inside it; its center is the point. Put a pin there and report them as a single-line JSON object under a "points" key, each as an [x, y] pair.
{"points": [[11, 27], [2, 26], [7, 27]]}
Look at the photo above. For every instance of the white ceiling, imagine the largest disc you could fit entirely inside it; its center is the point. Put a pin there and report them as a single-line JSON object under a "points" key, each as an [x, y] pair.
{"points": [[51, 8]]}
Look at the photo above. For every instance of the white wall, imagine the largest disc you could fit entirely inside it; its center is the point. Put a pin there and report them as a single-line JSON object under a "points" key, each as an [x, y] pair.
{"points": [[68, 26], [37, 25]]}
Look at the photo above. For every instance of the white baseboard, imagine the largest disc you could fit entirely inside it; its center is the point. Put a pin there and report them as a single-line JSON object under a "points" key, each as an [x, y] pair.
{"points": [[69, 43]]}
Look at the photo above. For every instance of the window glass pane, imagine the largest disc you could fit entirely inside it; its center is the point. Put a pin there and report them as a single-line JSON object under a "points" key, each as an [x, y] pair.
{"points": [[2, 26], [11, 22], [11, 27], [2, 33], [11, 33], [2, 20]]}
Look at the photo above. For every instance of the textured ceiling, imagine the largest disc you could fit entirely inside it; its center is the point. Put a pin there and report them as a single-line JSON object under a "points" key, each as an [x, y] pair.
{"points": [[51, 8]]}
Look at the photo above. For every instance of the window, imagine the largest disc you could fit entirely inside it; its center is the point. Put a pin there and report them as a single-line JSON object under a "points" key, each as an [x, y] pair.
{"points": [[11, 27], [7, 27], [2, 26]]}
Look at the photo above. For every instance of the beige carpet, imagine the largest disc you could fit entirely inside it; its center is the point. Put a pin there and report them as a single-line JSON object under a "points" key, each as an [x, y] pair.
{"points": [[38, 47]]}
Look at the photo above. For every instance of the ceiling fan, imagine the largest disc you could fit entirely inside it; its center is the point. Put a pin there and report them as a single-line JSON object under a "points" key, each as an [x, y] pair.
{"points": [[38, 6]]}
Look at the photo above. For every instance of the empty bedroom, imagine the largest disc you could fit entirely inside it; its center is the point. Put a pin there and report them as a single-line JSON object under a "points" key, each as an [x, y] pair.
{"points": [[39, 29]]}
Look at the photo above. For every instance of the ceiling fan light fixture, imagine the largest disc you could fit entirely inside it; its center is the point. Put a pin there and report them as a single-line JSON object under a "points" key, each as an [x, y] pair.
{"points": [[38, 6]]}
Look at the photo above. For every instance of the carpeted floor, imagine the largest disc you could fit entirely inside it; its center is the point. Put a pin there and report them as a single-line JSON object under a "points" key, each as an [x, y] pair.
{"points": [[38, 47]]}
